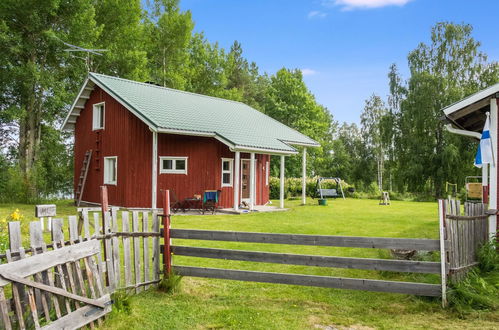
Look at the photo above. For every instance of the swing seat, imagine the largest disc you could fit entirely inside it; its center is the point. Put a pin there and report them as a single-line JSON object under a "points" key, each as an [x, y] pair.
{"points": [[328, 193]]}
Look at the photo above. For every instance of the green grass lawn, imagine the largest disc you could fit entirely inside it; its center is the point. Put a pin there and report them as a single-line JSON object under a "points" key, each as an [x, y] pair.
{"points": [[210, 303]]}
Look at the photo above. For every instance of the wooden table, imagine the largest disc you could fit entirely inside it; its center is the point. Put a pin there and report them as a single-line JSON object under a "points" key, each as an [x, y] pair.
{"points": [[192, 204]]}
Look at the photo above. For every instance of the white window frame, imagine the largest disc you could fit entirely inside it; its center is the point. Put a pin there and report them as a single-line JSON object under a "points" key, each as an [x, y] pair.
{"points": [[267, 172], [96, 118], [174, 160], [230, 171], [106, 179]]}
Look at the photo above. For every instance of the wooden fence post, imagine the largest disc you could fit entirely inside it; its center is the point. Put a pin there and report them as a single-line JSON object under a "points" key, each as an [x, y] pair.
{"points": [[167, 258], [108, 253], [443, 258]]}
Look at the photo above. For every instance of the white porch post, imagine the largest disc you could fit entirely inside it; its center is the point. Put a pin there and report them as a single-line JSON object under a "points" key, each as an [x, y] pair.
{"points": [[281, 184], [252, 181], [493, 167], [154, 174], [485, 178], [237, 165], [304, 177]]}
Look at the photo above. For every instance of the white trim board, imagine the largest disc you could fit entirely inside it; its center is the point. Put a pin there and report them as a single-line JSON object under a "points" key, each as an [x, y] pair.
{"points": [[231, 171], [174, 159], [487, 92]]}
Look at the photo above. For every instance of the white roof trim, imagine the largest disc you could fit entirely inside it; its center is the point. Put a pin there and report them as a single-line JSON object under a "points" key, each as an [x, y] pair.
{"points": [[122, 102], [64, 125], [196, 133], [185, 132], [264, 151], [82, 89], [303, 144], [487, 92]]}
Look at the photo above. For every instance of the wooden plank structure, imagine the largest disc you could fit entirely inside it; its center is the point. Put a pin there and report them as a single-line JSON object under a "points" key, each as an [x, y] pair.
{"points": [[310, 260], [129, 261], [466, 233], [60, 292], [460, 237], [132, 262], [67, 282]]}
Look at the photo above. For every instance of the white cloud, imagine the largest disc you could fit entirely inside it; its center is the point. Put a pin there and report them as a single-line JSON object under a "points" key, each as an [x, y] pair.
{"points": [[365, 4], [316, 14], [308, 72]]}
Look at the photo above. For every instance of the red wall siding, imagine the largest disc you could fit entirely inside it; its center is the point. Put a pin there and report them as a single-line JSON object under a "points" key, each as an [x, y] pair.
{"points": [[139, 175], [128, 138], [124, 136], [204, 168]]}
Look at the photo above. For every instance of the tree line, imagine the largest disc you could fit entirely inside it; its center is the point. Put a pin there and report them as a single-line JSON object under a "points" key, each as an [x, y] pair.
{"points": [[402, 144], [400, 141]]}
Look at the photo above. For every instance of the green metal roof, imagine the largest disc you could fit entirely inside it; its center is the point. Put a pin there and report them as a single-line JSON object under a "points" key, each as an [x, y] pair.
{"points": [[168, 110]]}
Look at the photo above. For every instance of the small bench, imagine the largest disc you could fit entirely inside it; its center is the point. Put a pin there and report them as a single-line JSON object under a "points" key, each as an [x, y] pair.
{"points": [[327, 193]]}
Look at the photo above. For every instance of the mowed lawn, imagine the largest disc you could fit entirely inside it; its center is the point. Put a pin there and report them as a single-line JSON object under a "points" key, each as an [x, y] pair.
{"points": [[213, 304]]}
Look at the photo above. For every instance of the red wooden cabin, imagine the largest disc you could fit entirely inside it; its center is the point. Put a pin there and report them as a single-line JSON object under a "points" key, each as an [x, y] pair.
{"points": [[145, 138]]}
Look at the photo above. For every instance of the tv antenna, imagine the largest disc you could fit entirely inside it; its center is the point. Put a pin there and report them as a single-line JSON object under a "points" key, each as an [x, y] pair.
{"points": [[88, 51]]}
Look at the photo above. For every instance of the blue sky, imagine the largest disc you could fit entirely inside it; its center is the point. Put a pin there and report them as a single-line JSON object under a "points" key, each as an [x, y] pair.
{"points": [[344, 47]]}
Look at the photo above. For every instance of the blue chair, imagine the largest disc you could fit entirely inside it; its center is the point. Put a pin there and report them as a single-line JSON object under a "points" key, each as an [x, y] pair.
{"points": [[210, 200]]}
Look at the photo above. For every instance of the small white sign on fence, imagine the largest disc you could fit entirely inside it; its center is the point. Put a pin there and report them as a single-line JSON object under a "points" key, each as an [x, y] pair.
{"points": [[45, 211]]}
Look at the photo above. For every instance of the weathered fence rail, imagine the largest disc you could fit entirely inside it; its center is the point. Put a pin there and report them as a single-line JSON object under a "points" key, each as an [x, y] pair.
{"points": [[310, 260], [316, 240], [466, 233], [126, 259], [420, 289], [51, 289], [132, 253]]}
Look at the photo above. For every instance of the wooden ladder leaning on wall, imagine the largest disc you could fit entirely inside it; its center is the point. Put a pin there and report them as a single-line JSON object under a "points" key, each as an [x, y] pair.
{"points": [[83, 177]]}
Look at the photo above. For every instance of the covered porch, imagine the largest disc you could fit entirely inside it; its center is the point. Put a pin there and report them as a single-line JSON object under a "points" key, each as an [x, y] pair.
{"points": [[467, 118], [240, 185]]}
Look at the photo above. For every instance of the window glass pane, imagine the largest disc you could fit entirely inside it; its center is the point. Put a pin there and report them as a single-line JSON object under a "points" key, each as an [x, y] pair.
{"points": [[226, 178], [101, 116], [180, 164], [112, 169], [226, 165], [167, 164]]}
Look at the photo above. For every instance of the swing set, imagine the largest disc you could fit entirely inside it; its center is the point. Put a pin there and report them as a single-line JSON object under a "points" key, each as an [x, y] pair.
{"points": [[323, 193]]}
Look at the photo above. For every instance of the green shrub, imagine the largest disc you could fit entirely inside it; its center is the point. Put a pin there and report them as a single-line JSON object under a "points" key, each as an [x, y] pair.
{"points": [[121, 301], [488, 257], [480, 289], [475, 292], [170, 283]]}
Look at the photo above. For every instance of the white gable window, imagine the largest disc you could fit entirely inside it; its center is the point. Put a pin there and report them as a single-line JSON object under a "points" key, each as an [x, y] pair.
{"points": [[227, 165], [98, 116], [111, 170], [173, 165]]}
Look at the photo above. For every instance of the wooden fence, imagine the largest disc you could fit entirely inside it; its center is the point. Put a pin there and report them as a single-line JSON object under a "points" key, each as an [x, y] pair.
{"points": [[127, 259], [465, 233], [43, 277], [130, 255], [423, 289], [459, 240]]}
